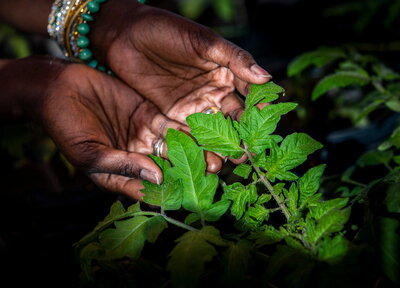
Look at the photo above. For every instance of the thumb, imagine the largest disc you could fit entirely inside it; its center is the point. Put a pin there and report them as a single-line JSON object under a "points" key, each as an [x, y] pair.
{"points": [[239, 61], [123, 163]]}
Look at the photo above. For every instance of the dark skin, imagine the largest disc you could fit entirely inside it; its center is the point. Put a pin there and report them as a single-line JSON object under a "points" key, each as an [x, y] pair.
{"points": [[178, 66]]}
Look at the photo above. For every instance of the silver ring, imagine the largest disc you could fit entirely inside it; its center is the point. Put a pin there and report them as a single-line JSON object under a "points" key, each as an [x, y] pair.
{"points": [[158, 147], [211, 110]]}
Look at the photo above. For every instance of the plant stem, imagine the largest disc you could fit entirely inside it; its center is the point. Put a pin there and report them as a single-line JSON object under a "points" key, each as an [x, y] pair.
{"points": [[267, 184]]}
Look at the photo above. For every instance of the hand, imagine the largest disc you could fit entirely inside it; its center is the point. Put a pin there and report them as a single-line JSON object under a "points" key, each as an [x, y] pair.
{"points": [[100, 124], [179, 65]]}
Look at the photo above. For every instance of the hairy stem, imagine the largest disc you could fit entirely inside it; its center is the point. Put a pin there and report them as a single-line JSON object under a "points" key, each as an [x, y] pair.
{"points": [[267, 184]]}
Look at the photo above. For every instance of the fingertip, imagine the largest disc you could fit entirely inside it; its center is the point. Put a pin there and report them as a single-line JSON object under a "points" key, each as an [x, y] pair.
{"points": [[214, 163], [240, 160], [260, 74]]}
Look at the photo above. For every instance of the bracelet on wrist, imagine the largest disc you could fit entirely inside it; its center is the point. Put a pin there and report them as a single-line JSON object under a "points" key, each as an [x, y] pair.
{"points": [[69, 26]]}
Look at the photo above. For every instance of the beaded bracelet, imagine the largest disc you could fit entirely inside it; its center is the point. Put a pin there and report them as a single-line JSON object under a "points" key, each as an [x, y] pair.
{"points": [[69, 26]]}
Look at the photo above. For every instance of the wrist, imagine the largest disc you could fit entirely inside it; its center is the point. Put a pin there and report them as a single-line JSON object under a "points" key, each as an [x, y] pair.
{"points": [[24, 84]]}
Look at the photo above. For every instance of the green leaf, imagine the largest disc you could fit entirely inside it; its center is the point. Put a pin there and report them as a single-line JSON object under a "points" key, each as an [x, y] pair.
{"points": [[193, 251], [292, 152], [216, 210], [168, 195], [309, 183], [264, 198], [190, 167], [241, 196], [243, 170], [318, 58], [375, 157], [331, 222], [225, 9], [267, 92], [258, 212], [389, 246], [256, 126], [192, 9], [235, 263], [191, 218], [332, 250], [321, 208], [393, 104], [128, 237], [215, 133], [394, 140], [267, 237], [339, 80], [292, 197]]}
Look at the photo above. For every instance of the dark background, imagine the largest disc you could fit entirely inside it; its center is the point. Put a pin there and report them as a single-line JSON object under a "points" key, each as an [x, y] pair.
{"points": [[45, 207]]}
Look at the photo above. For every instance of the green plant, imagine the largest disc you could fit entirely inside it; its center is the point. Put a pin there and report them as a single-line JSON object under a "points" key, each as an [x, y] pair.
{"points": [[275, 214]]}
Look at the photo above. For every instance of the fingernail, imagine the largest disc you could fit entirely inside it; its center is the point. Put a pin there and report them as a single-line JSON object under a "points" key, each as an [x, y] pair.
{"points": [[260, 71], [149, 176]]}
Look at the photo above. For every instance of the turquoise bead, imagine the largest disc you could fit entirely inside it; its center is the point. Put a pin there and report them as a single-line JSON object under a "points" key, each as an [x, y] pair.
{"points": [[83, 28], [93, 63], [87, 17], [93, 6], [82, 42], [101, 68], [85, 54]]}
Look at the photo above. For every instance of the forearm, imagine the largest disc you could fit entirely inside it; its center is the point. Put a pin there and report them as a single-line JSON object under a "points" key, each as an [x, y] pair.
{"points": [[23, 86], [27, 15]]}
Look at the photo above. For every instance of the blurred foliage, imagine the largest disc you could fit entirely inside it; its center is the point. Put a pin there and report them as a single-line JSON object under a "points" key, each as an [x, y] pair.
{"points": [[14, 42]]}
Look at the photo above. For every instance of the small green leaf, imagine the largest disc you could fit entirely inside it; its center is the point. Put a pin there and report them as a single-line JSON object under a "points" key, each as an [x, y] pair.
{"points": [[258, 212], [318, 58], [264, 198], [319, 210], [167, 195], [216, 210], [215, 133], [339, 80], [225, 9], [393, 104], [128, 236], [292, 197], [267, 92], [267, 237], [241, 196], [394, 140], [309, 183], [333, 221], [192, 9], [375, 157], [243, 170], [332, 250], [292, 152], [193, 251], [191, 218], [256, 126]]}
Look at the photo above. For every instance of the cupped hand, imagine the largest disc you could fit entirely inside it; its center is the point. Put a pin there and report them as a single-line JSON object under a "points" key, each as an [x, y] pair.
{"points": [[105, 128], [179, 65]]}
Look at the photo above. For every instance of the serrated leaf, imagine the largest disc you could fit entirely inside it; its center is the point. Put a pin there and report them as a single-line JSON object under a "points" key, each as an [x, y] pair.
{"points": [[190, 168], [296, 245], [215, 133], [128, 237], [241, 196], [193, 251], [167, 195], [216, 210], [267, 237], [258, 212], [375, 157], [321, 208], [264, 198], [191, 218], [243, 170], [292, 152], [339, 80], [267, 92], [256, 126], [333, 221], [332, 250], [292, 198], [318, 58], [309, 183]]}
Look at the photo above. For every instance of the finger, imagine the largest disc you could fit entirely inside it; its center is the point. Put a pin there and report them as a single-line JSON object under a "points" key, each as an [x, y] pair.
{"points": [[119, 184], [233, 106], [214, 162], [123, 163], [242, 86], [239, 61], [240, 160]]}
